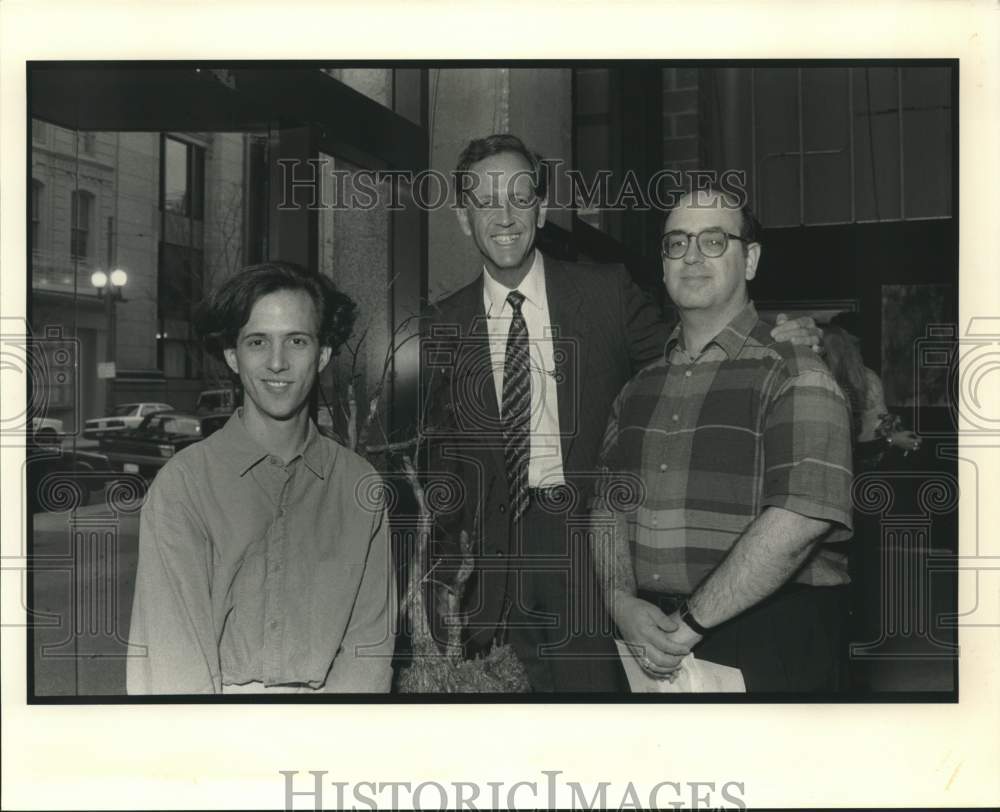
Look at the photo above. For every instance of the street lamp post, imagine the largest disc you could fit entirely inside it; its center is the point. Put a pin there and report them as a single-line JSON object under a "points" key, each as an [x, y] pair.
{"points": [[109, 288]]}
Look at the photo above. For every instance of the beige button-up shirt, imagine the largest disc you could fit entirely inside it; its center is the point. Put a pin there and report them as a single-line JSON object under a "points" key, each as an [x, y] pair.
{"points": [[258, 576]]}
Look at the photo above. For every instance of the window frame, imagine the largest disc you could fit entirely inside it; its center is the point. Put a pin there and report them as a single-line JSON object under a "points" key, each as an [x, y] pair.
{"points": [[194, 177], [78, 232]]}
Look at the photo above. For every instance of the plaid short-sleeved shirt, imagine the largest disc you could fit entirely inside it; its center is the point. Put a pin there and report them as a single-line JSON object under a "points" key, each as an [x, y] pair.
{"points": [[716, 438]]}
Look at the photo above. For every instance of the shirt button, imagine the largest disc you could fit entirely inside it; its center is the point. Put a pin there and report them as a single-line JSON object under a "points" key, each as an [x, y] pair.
{"points": [[675, 417], [656, 576], [663, 466], [687, 374], [502, 508]]}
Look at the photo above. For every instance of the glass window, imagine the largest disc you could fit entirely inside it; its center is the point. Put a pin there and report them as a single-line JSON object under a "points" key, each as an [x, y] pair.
{"points": [[214, 400], [596, 148], [858, 144], [178, 425], [80, 214], [175, 176], [183, 190], [196, 159], [184, 241]]}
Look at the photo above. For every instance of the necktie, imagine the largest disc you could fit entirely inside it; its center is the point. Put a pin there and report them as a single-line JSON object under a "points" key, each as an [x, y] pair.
{"points": [[515, 411]]}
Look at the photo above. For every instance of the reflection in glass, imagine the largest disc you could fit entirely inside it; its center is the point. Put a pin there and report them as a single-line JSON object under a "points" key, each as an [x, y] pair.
{"points": [[175, 176], [123, 247]]}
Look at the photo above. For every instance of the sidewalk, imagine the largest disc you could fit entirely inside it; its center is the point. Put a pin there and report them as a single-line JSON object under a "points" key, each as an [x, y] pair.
{"points": [[84, 574]]}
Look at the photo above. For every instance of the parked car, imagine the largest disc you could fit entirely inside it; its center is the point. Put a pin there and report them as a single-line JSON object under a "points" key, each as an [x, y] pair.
{"points": [[125, 416], [145, 449], [216, 401], [50, 468], [46, 429]]}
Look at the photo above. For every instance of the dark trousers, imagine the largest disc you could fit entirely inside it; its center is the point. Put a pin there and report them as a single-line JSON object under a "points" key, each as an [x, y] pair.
{"points": [[794, 641], [557, 622]]}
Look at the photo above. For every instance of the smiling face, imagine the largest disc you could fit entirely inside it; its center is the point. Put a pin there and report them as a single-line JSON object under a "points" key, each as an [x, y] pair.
{"points": [[501, 215], [278, 356], [715, 286]]}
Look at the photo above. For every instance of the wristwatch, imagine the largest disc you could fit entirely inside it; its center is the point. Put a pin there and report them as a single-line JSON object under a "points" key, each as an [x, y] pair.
{"points": [[687, 617]]}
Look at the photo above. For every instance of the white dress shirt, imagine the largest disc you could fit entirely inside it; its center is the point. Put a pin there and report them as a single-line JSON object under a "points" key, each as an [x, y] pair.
{"points": [[545, 468]]}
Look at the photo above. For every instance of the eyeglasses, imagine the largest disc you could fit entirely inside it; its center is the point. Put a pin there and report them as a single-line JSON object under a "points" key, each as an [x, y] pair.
{"points": [[712, 242]]}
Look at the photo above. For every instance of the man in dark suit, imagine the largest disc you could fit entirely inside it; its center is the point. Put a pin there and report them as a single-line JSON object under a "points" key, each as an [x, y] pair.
{"points": [[522, 366]]}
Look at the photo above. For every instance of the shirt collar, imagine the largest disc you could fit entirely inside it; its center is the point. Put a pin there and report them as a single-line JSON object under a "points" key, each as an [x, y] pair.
{"points": [[731, 338], [245, 452], [532, 286]]}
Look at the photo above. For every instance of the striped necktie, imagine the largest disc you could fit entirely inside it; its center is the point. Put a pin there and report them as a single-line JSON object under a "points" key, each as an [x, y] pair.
{"points": [[515, 410]]}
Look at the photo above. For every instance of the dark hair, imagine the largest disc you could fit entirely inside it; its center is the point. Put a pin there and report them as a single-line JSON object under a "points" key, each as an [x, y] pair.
{"points": [[848, 321], [749, 227], [480, 148], [848, 368], [220, 316]]}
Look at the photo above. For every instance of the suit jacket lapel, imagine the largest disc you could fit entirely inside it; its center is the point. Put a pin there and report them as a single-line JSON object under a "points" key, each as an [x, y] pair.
{"points": [[477, 368], [564, 302]]}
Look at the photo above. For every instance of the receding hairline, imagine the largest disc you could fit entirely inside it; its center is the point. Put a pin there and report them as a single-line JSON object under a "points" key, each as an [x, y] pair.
{"points": [[735, 208]]}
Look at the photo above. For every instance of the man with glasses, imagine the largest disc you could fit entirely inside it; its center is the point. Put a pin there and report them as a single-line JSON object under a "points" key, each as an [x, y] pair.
{"points": [[743, 449], [522, 365]]}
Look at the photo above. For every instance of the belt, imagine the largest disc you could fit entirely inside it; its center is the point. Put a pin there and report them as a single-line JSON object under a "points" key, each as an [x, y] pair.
{"points": [[667, 602]]}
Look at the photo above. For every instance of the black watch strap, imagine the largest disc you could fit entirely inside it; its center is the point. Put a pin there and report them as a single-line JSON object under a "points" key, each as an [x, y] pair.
{"points": [[687, 617]]}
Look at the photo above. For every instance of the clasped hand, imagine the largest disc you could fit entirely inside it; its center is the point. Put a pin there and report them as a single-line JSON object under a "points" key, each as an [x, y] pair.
{"points": [[658, 640]]}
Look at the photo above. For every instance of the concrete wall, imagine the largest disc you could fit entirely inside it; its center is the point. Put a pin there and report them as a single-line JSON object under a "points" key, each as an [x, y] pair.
{"points": [[354, 252]]}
